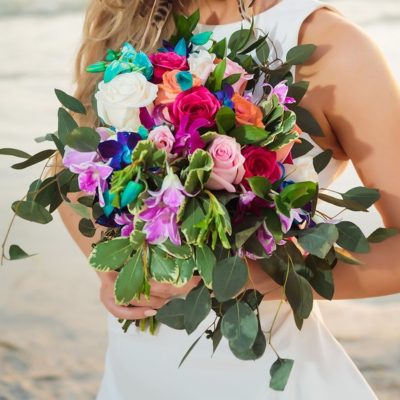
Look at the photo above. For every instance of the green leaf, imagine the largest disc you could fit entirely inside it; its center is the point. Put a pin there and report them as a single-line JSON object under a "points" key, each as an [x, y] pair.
{"points": [[240, 326], [186, 270], [70, 102], [260, 186], [87, 228], [205, 261], [137, 238], [83, 139], [39, 157], [66, 124], [197, 307], [163, 269], [349, 204], [301, 148], [239, 39], [299, 294], [231, 79], [198, 171], [183, 251], [298, 90], [16, 253], [382, 234], [298, 194], [345, 257], [172, 313], [79, 209], [248, 134], [110, 255], [219, 48], [322, 160], [31, 211], [307, 122], [280, 373], [254, 352], [362, 195], [262, 52], [130, 280], [190, 350], [245, 229], [7, 151], [193, 214], [319, 240], [322, 282], [253, 298], [218, 75], [300, 54], [225, 119], [351, 237], [229, 276]]}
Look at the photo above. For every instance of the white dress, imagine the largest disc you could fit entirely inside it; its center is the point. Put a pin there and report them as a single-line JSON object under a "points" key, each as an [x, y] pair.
{"points": [[140, 366]]}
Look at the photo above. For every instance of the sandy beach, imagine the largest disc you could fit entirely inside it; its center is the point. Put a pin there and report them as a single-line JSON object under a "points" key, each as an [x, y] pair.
{"points": [[52, 325]]}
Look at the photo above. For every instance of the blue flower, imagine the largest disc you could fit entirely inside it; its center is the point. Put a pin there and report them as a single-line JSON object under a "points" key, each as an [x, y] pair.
{"points": [[225, 96]]}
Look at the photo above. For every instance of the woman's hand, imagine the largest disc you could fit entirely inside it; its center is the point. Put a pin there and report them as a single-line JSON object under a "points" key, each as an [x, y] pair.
{"points": [[160, 294]]}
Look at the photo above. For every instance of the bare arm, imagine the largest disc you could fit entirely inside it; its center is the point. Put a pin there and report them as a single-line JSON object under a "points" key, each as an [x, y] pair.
{"points": [[356, 100]]}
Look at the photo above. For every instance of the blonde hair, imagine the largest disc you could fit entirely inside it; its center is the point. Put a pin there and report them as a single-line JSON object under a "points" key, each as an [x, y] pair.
{"points": [[109, 23]]}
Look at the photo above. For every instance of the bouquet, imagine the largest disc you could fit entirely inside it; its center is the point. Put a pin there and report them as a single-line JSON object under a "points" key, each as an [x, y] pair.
{"points": [[192, 170]]}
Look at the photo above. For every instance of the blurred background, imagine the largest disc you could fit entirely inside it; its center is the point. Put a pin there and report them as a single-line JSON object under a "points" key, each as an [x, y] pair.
{"points": [[52, 326]]}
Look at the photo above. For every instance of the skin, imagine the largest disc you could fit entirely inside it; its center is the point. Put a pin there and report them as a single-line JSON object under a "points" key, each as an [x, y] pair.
{"points": [[356, 100]]}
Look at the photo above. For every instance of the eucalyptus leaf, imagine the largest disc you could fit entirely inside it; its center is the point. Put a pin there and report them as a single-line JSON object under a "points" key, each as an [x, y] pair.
{"points": [[16, 253], [66, 124], [253, 353], [351, 237], [280, 373], [197, 307], [346, 257], [299, 294], [39, 157], [83, 139], [7, 151], [31, 211], [87, 228], [300, 54], [70, 102], [307, 122], [229, 276], [190, 350], [322, 160], [349, 204], [381, 234], [298, 90], [172, 314], [362, 195], [301, 148], [240, 326]]}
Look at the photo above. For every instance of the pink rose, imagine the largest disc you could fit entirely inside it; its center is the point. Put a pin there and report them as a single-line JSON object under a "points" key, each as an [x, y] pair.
{"points": [[228, 164], [233, 68], [167, 61], [195, 103], [162, 138]]}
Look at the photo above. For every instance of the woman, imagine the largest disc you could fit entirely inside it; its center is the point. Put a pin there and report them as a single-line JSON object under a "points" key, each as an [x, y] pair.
{"points": [[356, 101]]}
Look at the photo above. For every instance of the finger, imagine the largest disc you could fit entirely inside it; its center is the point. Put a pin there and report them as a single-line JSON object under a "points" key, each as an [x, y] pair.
{"points": [[130, 313], [153, 302]]}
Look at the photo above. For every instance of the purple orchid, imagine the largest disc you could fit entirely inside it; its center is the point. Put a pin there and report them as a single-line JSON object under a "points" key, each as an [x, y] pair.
{"points": [[287, 222], [92, 178], [266, 239], [75, 157], [119, 151], [187, 137], [126, 221], [281, 91], [161, 212]]}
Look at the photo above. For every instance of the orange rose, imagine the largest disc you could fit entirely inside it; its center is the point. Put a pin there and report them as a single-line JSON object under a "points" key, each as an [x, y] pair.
{"points": [[169, 88], [247, 113], [284, 151]]}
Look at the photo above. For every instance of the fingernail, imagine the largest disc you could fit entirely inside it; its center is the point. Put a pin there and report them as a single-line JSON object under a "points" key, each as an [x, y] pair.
{"points": [[150, 313]]}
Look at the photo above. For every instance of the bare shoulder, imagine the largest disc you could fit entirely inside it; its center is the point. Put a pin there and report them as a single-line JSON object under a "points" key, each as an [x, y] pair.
{"points": [[345, 58]]}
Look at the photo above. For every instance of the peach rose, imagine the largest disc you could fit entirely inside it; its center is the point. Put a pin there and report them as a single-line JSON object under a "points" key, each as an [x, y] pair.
{"points": [[283, 152], [169, 88], [228, 164], [247, 113]]}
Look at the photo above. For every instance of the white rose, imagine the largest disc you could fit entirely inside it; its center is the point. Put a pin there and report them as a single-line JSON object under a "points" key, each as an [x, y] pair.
{"points": [[201, 64], [302, 170], [119, 101]]}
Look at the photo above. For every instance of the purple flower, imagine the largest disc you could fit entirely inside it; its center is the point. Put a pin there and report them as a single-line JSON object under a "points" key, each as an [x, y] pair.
{"points": [[187, 137], [161, 212], [126, 221], [287, 222], [119, 151], [225, 96], [281, 91], [75, 157], [92, 177], [266, 240]]}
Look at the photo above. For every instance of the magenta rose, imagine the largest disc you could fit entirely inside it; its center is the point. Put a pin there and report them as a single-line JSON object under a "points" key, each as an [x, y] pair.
{"points": [[168, 61], [196, 103], [260, 162], [228, 164]]}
